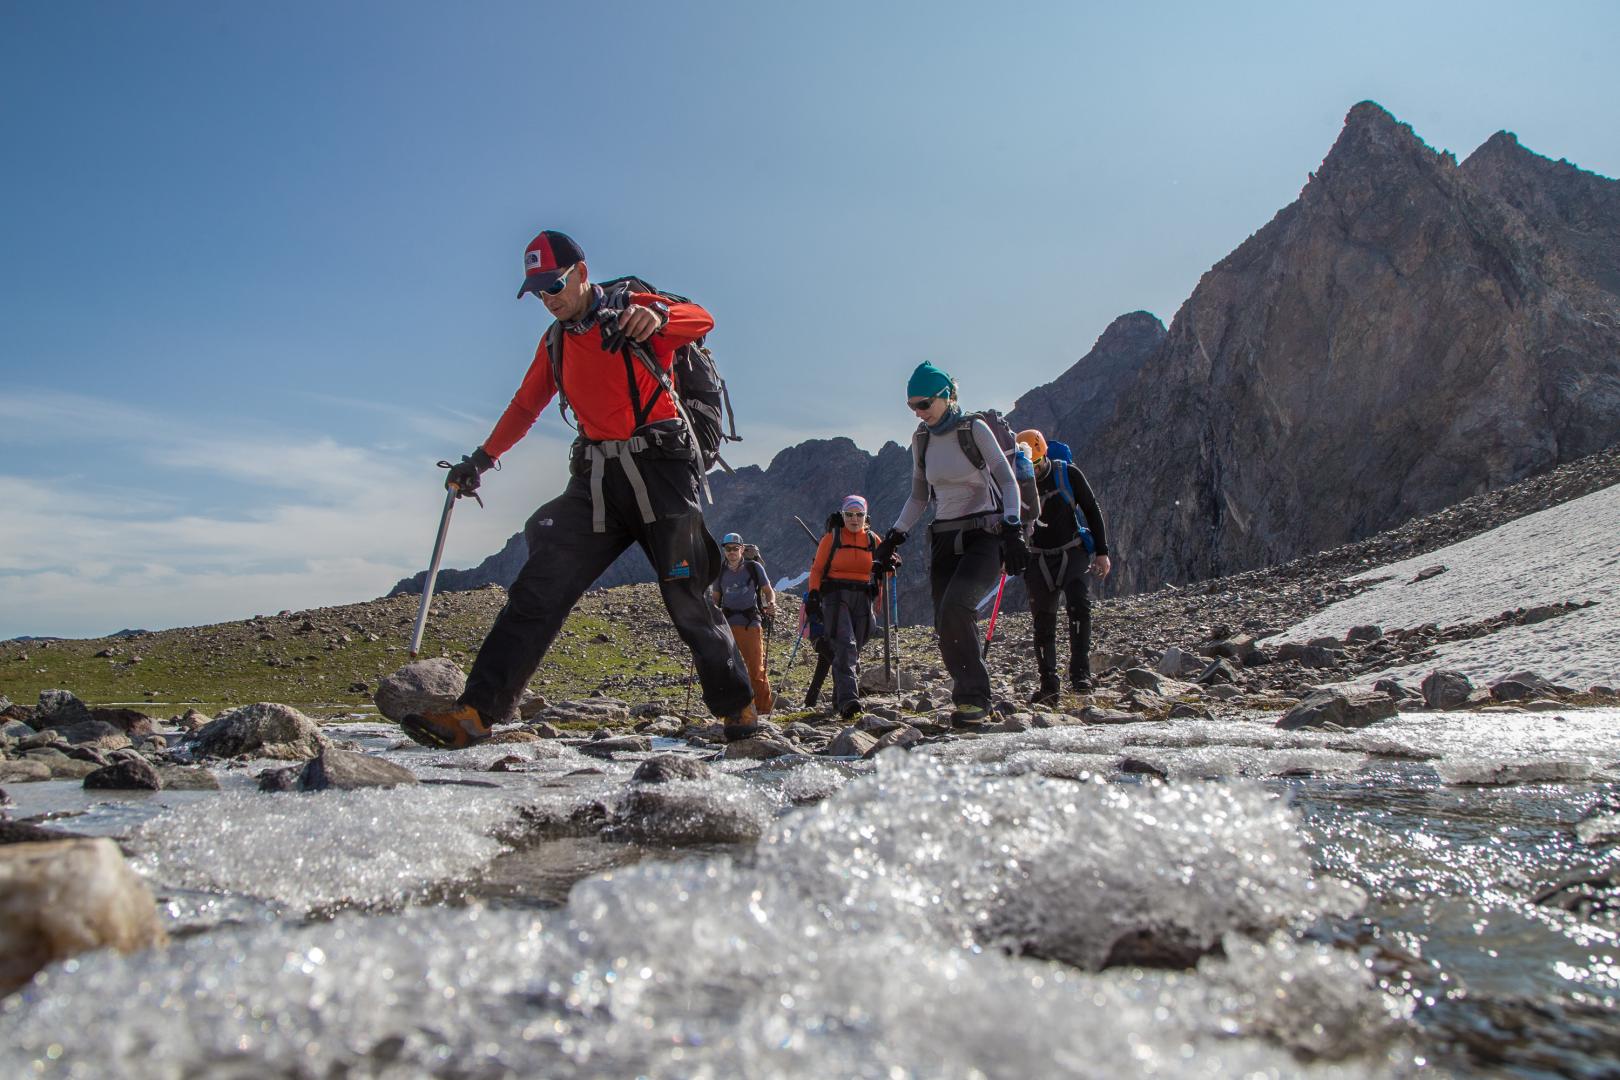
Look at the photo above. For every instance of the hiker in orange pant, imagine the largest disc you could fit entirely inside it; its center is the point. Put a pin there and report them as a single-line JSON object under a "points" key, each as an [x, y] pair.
{"points": [[744, 594]]}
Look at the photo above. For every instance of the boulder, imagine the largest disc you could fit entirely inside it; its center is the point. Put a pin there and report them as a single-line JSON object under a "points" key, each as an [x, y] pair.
{"points": [[1310, 654], [1143, 679], [58, 708], [129, 773], [1346, 710], [759, 748], [903, 737], [1446, 689], [128, 721], [96, 733], [24, 771], [346, 770], [21, 832], [264, 729], [1524, 686], [15, 729], [1362, 634], [851, 742], [684, 814], [184, 778], [662, 768], [1178, 663], [1219, 671], [66, 897], [419, 686]]}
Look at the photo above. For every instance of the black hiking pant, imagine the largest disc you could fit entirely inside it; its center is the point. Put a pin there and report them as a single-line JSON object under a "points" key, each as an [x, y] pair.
{"points": [[958, 578], [1073, 588], [566, 557], [847, 615]]}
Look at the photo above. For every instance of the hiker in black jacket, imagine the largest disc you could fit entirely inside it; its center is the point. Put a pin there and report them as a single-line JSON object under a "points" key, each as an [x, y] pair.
{"points": [[1060, 567]]}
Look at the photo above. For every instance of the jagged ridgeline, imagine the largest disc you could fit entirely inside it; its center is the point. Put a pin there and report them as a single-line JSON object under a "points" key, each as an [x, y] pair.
{"points": [[1407, 333]]}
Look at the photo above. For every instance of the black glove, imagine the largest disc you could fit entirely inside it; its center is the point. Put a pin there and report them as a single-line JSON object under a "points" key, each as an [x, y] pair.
{"points": [[812, 605], [465, 473], [884, 555], [1014, 549]]}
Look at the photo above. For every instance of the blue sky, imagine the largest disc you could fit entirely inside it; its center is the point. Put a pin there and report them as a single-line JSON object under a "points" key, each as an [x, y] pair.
{"points": [[260, 260]]}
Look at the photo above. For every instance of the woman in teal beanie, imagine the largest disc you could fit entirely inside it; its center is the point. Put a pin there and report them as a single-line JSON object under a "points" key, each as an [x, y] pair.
{"points": [[975, 533]]}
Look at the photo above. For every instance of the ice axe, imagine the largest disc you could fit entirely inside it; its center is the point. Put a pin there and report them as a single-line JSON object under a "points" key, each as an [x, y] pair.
{"points": [[453, 491]]}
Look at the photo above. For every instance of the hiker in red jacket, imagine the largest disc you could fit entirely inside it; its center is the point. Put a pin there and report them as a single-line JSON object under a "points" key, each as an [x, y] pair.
{"points": [[635, 476]]}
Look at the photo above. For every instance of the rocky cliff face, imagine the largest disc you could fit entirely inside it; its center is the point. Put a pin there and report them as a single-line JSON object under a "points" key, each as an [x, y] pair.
{"points": [[1399, 338], [1408, 333]]}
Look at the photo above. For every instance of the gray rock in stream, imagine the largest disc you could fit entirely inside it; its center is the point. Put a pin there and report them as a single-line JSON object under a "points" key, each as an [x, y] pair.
{"points": [[419, 686], [264, 729], [130, 772], [1346, 710], [663, 768], [682, 813], [346, 770], [1446, 689]]}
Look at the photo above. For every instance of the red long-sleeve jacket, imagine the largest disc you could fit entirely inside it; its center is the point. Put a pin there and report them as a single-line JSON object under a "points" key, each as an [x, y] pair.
{"points": [[597, 383]]}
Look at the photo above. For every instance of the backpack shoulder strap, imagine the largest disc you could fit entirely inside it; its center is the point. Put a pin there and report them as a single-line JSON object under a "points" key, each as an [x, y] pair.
{"points": [[553, 341], [970, 445]]}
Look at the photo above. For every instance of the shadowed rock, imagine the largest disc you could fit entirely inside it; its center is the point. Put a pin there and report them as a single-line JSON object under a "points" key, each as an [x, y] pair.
{"points": [[418, 687], [129, 773], [346, 770], [1346, 710]]}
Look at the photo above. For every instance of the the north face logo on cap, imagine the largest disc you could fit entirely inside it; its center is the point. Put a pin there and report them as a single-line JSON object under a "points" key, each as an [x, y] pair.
{"points": [[531, 260]]}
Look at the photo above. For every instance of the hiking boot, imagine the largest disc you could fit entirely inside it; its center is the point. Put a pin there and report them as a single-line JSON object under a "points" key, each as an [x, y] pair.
{"points": [[455, 728], [969, 716], [744, 725], [1048, 694], [1082, 685], [850, 710]]}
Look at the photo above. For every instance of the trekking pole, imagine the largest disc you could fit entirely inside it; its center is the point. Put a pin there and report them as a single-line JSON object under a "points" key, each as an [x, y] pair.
{"points": [[793, 654], [451, 494], [994, 611], [814, 539], [894, 617], [885, 586]]}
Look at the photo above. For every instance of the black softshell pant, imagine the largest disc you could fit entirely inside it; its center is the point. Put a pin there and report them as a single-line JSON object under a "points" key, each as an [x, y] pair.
{"points": [[847, 616], [1074, 590], [566, 557], [958, 580]]}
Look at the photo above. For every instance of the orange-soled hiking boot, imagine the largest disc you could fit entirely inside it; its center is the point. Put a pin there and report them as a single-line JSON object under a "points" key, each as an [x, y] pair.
{"points": [[455, 728], [745, 725]]}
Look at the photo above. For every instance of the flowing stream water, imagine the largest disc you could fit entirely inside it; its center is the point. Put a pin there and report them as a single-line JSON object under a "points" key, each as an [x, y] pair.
{"points": [[1365, 904]]}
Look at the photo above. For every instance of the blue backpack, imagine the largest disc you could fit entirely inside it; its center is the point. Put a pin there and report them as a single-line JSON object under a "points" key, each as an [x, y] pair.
{"points": [[1062, 457]]}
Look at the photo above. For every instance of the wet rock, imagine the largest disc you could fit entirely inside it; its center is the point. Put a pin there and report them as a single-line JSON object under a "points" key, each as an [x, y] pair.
{"points": [[606, 748], [24, 771], [1589, 894], [1136, 766], [187, 778], [851, 742], [5, 800], [282, 779], [63, 898], [903, 737], [1346, 710], [759, 748], [58, 708], [1182, 710], [1602, 826], [64, 767], [22, 832], [129, 773], [546, 731], [345, 770], [663, 768], [1158, 947], [682, 814], [1446, 689], [420, 686], [264, 729], [513, 735]]}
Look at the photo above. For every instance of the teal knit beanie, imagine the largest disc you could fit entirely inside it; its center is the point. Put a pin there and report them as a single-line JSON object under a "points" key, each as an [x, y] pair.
{"points": [[928, 381]]}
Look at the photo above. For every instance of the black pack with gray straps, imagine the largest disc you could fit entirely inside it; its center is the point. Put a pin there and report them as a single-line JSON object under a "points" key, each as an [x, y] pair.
{"points": [[699, 392]]}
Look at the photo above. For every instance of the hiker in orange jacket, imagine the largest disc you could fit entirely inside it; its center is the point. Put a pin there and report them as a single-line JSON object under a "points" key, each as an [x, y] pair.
{"points": [[841, 594], [635, 476]]}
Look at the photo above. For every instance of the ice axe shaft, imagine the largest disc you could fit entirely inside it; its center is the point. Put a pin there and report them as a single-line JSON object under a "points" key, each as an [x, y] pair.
{"points": [[994, 611], [433, 571]]}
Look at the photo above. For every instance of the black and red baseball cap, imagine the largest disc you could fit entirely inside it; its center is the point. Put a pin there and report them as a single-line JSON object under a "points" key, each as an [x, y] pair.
{"points": [[545, 259]]}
